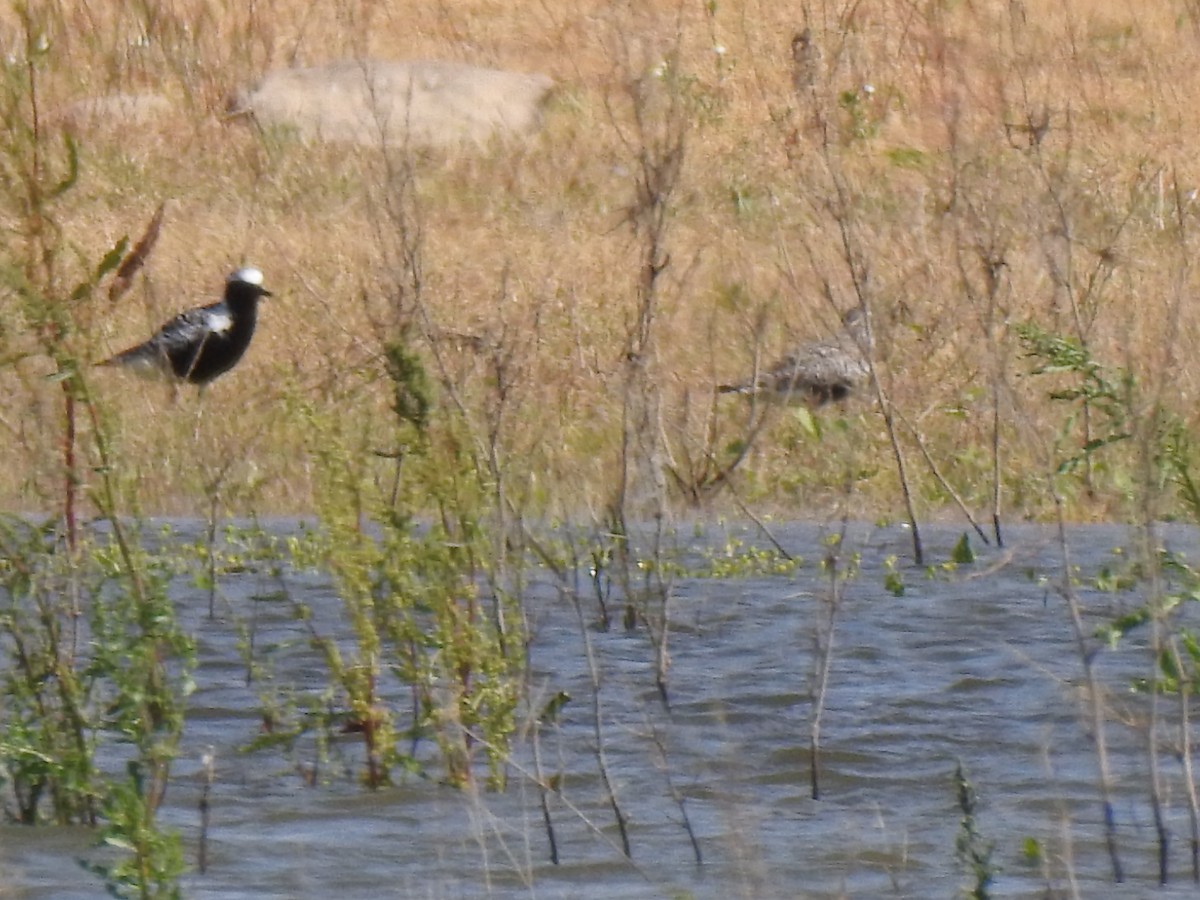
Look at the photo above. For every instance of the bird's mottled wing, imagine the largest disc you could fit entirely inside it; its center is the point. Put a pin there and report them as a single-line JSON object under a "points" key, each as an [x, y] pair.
{"points": [[820, 367], [817, 372], [188, 329], [191, 328]]}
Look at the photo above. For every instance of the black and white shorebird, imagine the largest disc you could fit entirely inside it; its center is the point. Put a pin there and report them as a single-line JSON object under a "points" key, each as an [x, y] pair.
{"points": [[198, 345], [817, 372]]}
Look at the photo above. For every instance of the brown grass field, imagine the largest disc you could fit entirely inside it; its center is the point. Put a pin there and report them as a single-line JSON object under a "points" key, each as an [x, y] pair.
{"points": [[961, 167]]}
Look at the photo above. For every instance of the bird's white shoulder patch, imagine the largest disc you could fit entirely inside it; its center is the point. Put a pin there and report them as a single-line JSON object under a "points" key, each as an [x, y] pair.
{"points": [[248, 275], [219, 321]]}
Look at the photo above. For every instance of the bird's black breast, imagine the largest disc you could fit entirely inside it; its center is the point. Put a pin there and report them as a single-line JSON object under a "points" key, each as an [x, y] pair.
{"points": [[213, 353]]}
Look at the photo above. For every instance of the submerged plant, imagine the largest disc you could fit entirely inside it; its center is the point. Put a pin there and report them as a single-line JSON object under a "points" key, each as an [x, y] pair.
{"points": [[973, 852]]}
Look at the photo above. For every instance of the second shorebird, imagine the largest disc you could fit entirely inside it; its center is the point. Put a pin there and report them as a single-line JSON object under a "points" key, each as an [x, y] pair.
{"points": [[198, 345], [817, 372]]}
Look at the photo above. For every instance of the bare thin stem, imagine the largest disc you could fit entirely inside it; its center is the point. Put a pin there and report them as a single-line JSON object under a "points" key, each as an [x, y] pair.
{"points": [[544, 793], [1149, 553], [1185, 754], [823, 636], [610, 790], [205, 809], [941, 479], [1095, 698], [677, 796]]}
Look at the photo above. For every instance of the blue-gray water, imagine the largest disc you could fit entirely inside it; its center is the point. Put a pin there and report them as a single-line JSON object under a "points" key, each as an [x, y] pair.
{"points": [[978, 665]]}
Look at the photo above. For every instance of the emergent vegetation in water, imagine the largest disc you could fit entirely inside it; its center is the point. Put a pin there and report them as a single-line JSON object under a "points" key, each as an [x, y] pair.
{"points": [[92, 662]]}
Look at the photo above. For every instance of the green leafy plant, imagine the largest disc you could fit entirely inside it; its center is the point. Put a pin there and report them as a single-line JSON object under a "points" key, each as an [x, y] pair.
{"points": [[973, 852], [91, 655], [1090, 387]]}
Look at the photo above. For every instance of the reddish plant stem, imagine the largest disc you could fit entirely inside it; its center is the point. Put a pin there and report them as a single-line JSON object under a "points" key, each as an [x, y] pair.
{"points": [[70, 475]]}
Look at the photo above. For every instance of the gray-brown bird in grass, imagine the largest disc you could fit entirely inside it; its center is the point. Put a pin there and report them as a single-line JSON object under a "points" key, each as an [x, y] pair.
{"points": [[198, 345], [817, 372]]}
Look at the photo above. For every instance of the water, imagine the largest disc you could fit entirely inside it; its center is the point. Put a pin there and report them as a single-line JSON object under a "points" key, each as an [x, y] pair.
{"points": [[978, 665]]}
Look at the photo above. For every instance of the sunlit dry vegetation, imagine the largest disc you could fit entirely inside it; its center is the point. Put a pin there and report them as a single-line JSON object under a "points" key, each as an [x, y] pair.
{"points": [[958, 167], [486, 361]]}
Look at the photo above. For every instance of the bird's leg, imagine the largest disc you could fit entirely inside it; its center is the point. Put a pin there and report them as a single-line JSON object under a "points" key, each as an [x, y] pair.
{"points": [[199, 414], [195, 359]]}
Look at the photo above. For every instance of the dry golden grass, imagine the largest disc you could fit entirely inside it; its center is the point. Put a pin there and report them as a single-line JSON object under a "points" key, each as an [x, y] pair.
{"points": [[528, 249]]}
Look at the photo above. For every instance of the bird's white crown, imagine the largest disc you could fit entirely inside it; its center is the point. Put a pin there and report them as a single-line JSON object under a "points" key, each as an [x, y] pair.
{"points": [[248, 275]]}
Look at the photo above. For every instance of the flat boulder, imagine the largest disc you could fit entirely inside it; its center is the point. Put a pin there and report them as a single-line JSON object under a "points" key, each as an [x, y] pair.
{"points": [[381, 102]]}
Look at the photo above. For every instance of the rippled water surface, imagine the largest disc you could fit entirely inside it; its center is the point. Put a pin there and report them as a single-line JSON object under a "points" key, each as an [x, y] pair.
{"points": [[978, 665]]}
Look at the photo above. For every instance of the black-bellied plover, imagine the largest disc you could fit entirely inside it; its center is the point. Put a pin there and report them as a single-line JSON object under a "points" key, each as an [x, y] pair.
{"points": [[817, 372], [202, 343]]}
